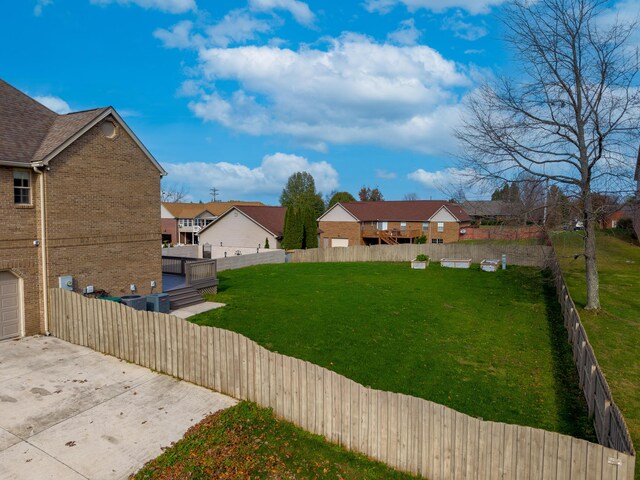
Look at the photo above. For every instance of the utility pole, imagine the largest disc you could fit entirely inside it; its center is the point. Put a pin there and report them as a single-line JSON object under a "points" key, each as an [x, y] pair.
{"points": [[214, 193]]}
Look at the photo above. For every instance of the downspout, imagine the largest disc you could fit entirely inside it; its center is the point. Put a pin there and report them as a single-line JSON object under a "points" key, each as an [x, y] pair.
{"points": [[43, 245]]}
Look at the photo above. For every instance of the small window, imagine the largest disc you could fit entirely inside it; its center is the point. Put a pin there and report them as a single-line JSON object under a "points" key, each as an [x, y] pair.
{"points": [[437, 240], [22, 187], [403, 225], [441, 226], [425, 226]]}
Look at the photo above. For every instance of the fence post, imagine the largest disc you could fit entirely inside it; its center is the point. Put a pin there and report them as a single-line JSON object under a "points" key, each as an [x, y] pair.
{"points": [[187, 273], [606, 424]]}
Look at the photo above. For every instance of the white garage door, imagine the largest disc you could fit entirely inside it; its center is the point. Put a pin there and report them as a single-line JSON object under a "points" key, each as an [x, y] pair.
{"points": [[339, 242], [9, 306]]}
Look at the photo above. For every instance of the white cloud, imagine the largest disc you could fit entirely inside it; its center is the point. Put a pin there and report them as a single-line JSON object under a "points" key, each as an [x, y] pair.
{"points": [[474, 7], [169, 6], [56, 104], [236, 180], [440, 179], [178, 36], [40, 4], [238, 26], [356, 91], [300, 10], [464, 29], [407, 34], [386, 175]]}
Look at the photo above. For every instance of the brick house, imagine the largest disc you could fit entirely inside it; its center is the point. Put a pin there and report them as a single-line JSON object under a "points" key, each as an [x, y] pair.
{"points": [[391, 222], [79, 197], [181, 222]]}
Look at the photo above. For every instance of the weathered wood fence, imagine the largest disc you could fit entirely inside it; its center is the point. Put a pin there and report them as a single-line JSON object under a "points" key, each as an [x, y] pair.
{"points": [[526, 255], [608, 420], [405, 432]]}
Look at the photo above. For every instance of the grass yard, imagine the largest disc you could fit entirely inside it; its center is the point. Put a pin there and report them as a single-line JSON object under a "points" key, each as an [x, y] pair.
{"points": [[489, 345], [246, 441], [614, 332]]}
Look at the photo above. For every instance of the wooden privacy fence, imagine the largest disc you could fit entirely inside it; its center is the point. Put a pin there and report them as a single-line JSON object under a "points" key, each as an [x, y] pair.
{"points": [[405, 432], [608, 421], [526, 255]]}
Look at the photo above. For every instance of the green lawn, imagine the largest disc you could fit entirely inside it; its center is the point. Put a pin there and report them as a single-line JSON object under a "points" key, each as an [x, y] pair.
{"points": [[245, 442], [490, 345], [614, 332]]}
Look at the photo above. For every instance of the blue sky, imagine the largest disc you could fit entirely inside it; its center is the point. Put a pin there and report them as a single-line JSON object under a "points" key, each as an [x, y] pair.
{"points": [[238, 95]]}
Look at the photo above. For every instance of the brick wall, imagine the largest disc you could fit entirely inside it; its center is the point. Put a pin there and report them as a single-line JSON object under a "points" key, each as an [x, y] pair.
{"points": [[102, 222], [503, 233], [450, 234], [169, 226], [350, 230], [20, 227], [103, 215]]}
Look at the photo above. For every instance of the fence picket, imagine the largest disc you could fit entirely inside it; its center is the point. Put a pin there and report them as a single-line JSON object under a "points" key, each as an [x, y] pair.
{"points": [[406, 432]]}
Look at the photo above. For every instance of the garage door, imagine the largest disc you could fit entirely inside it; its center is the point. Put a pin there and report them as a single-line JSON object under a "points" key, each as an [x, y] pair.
{"points": [[9, 306], [339, 242]]}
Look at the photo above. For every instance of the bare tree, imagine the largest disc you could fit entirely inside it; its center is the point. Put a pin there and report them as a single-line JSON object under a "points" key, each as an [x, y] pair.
{"points": [[410, 196], [572, 115], [172, 194]]}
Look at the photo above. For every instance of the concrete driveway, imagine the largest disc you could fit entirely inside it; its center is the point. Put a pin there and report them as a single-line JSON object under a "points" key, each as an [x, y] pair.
{"points": [[67, 412]]}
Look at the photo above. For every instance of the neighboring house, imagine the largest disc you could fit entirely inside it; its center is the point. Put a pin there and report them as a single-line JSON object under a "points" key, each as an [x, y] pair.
{"points": [[79, 197], [611, 219], [492, 210], [391, 222], [181, 222], [245, 228]]}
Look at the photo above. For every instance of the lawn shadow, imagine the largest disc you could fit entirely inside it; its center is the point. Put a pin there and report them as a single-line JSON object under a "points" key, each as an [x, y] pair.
{"points": [[572, 407]]}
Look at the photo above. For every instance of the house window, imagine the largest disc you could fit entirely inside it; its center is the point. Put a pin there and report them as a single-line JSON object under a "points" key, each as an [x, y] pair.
{"points": [[185, 222], [425, 226], [437, 240], [22, 187], [403, 225], [441, 226]]}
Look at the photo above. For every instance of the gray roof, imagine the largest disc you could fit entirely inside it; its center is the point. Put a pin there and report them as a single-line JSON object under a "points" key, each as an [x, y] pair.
{"points": [[31, 134], [490, 208], [29, 131]]}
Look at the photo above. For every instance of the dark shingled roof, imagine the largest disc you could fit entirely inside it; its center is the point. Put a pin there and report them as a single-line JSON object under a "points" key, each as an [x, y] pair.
{"points": [[405, 210], [29, 131], [271, 218]]}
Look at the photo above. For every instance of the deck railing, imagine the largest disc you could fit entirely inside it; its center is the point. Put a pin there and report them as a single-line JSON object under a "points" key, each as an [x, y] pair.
{"points": [[198, 273], [372, 232]]}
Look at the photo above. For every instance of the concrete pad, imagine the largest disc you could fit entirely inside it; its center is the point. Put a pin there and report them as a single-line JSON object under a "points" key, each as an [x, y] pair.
{"points": [[7, 439], [191, 310], [91, 414], [26, 462], [65, 389]]}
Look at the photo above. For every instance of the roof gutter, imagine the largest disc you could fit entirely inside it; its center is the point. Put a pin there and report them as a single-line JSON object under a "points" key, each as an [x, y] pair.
{"points": [[43, 246]]}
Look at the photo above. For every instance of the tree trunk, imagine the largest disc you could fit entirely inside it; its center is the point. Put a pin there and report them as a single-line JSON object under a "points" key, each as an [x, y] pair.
{"points": [[593, 283]]}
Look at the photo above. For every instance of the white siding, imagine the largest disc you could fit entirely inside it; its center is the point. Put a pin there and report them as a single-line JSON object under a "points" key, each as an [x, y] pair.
{"points": [[236, 230], [164, 213], [338, 214], [443, 215]]}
